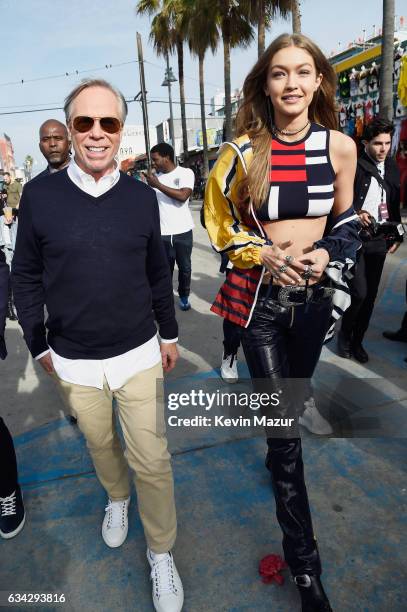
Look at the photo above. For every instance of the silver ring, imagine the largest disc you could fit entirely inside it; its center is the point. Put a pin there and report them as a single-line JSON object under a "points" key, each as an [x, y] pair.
{"points": [[283, 268], [275, 275], [289, 259], [308, 272]]}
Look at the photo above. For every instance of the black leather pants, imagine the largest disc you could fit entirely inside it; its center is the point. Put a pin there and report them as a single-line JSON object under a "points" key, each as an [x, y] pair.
{"points": [[286, 342]]}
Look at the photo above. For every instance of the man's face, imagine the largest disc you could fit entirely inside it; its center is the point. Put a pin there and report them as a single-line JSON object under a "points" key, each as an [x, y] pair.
{"points": [[159, 162], [54, 144], [378, 148], [7, 179], [95, 149]]}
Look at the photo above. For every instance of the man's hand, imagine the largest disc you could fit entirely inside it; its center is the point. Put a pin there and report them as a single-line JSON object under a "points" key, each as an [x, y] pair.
{"points": [[394, 248], [152, 180], [364, 218], [46, 363], [169, 355]]}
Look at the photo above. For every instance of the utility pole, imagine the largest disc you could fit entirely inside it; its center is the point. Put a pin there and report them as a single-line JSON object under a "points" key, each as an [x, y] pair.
{"points": [[143, 99], [168, 79], [387, 63]]}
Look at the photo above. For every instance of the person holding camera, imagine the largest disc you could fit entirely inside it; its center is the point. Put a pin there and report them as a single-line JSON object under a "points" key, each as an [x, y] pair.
{"points": [[377, 202]]}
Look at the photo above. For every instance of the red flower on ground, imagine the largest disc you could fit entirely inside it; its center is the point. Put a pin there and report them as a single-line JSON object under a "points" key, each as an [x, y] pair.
{"points": [[269, 568]]}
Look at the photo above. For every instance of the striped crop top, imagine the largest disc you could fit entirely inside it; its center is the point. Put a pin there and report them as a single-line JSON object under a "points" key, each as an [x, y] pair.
{"points": [[301, 178]]}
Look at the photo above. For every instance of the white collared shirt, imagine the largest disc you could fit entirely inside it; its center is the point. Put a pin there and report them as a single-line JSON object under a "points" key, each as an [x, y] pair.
{"points": [[375, 193], [117, 370]]}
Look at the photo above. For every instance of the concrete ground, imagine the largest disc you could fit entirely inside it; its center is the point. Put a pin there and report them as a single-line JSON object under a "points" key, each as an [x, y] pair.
{"points": [[356, 481]]}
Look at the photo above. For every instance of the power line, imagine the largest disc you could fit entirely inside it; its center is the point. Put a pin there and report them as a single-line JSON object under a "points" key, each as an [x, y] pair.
{"points": [[16, 106], [54, 108], [98, 69], [67, 74]]}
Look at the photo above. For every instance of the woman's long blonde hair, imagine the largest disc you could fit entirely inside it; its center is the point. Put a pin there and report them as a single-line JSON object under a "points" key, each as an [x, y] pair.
{"points": [[255, 115]]}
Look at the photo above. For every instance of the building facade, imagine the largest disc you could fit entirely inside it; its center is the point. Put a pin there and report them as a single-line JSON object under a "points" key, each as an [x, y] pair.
{"points": [[132, 144], [214, 126], [7, 161]]}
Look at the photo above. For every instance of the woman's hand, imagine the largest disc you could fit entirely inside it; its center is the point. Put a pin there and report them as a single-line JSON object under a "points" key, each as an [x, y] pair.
{"points": [[318, 260], [283, 267], [364, 218]]}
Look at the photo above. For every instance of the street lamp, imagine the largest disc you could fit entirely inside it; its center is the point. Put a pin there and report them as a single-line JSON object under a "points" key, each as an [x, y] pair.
{"points": [[168, 79]]}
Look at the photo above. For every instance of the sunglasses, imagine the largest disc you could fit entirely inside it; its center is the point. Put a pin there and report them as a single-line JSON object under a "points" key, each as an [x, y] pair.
{"points": [[83, 124]]}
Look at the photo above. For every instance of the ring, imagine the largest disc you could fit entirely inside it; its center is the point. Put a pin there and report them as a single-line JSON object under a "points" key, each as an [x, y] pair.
{"points": [[289, 259], [308, 272], [283, 268]]}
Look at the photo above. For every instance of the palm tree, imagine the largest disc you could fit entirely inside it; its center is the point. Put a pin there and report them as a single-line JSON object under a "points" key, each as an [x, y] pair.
{"points": [[262, 12], [200, 40], [296, 16], [28, 164], [386, 70], [168, 30], [233, 20]]}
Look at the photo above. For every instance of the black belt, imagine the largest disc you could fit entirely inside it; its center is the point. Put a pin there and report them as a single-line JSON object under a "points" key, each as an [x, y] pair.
{"points": [[297, 295]]}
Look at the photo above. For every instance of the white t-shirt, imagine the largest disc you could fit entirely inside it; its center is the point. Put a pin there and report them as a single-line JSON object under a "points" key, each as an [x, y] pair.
{"points": [[175, 216]]}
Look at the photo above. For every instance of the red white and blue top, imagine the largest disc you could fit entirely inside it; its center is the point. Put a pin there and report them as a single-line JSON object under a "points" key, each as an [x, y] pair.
{"points": [[301, 178]]}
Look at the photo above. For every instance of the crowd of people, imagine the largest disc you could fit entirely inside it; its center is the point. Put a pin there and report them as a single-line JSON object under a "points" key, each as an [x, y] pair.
{"points": [[292, 224]]}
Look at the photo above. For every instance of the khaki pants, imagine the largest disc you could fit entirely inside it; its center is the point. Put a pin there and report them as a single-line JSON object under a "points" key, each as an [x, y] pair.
{"points": [[141, 413]]}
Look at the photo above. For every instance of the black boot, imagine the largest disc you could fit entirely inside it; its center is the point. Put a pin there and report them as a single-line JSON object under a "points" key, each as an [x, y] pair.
{"points": [[313, 596], [11, 313], [401, 334], [344, 344], [359, 352], [398, 336]]}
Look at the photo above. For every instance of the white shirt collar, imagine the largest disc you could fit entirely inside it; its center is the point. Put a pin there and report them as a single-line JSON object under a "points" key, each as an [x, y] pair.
{"points": [[87, 183]]}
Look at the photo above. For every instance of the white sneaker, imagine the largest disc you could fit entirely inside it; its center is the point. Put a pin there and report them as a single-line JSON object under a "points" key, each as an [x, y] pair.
{"points": [[313, 420], [168, 594], [228, 369], [115, 524]]}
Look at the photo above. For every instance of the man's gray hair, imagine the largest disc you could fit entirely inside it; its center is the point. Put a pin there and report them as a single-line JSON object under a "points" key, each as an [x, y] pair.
{"points": [[85, 84]]}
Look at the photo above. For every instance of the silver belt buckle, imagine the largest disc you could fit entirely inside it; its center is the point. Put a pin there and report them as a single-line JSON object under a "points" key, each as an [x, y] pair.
{"points": [[328, 292], [284, 293]]}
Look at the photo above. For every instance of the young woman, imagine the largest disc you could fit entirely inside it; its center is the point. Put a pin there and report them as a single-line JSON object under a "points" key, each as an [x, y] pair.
{"points": [[279, 203]]}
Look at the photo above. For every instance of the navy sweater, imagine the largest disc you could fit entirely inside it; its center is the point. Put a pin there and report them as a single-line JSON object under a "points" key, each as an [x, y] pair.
{"points": [[98, 264]]}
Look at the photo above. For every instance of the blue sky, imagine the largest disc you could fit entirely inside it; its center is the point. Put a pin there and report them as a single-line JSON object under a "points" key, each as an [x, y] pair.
{"points": [[40, 38]]}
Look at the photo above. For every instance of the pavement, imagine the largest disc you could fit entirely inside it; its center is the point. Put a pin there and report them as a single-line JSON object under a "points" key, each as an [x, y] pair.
{"points": [[226, 516]]}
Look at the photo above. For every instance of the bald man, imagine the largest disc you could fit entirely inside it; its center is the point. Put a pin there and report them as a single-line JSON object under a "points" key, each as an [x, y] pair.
{"points": [[54, 145]]}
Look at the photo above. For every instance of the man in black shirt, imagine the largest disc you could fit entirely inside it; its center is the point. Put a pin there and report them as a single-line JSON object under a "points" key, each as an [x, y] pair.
{"points": [[377, 202]]}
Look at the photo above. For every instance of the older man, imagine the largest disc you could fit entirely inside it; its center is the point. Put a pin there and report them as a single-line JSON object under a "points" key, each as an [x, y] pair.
{"points": [[89, 247], [55, 146]]}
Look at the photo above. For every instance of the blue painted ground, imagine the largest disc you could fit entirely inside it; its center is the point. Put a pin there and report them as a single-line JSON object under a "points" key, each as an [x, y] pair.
{"points": [[225, 512], [226, 525]]}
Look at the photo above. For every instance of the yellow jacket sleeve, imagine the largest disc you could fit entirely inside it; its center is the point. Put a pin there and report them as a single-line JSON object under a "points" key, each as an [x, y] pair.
{"points": [[402, 85], [223, 222]]}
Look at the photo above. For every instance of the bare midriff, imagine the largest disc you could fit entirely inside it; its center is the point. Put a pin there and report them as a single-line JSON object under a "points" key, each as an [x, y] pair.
{"points": [[302, 232]]}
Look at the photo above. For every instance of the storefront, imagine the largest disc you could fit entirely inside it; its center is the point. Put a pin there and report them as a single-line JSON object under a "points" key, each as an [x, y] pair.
{"points": [[358, 70]]}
